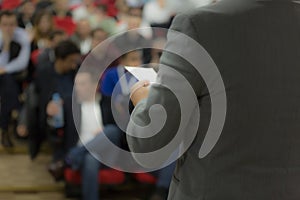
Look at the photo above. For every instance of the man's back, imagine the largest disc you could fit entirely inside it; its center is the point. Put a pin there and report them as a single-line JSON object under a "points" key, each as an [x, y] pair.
{"points": [[256, 46]]}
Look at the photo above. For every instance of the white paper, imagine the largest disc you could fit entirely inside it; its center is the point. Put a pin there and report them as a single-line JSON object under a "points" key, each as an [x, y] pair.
{"points": [[143, 74]]}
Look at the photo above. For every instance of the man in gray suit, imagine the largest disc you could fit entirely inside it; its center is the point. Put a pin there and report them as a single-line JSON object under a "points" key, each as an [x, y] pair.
{"points": [[256, 47]]}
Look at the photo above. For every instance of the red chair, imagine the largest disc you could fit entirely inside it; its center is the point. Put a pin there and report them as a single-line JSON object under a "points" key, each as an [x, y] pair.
{"points": [[105, 177], [145, 178], [10, 4], [112, 11], [34, 56], [66, 24], [111, 178], [108, 177]]}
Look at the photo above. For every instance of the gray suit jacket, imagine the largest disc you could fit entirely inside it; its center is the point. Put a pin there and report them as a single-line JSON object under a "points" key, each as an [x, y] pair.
{"points": [[256, 47]]}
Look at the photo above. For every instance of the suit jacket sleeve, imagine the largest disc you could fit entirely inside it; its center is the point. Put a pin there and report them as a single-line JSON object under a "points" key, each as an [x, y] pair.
{"points": [[165, 97]]}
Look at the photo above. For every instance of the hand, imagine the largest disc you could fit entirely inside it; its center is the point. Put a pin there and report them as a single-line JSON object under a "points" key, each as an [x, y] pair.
{"points": [[52, 109], [6, 37], [139, 92], [2, 71], [6, 41], [22, 130], [98, 131]]}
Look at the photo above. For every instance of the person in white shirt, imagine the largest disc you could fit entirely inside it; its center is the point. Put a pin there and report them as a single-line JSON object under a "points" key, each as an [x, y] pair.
{"points": [[83, 10], [82, 36], [10, 33], [93, 125], [157, 12]]}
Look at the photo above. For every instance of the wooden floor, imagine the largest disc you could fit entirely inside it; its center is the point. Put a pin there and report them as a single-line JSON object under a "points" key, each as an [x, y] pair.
{"points": [[23, 179], [32, 196]]}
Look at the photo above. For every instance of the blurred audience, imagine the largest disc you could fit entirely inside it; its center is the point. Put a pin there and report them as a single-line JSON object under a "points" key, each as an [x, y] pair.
{"points": [[83, 10], [82, 36], [25, 15], [156, 52], [63, 16], [14, 57], [61, 9], [44, 59], [118, 81], [134, 38], [157, 13], [42, 43], [51, 79], [92, 127], [115, 89], [98, 36], [10, 4], [44, 4], [117, 76], [43, 25], [102, 20], [15, 44], [47, 56]]}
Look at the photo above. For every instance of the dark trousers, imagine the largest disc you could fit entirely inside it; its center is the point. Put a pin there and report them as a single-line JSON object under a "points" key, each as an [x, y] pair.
{"points": [[81, 158], [9, 92], [164, 176]]}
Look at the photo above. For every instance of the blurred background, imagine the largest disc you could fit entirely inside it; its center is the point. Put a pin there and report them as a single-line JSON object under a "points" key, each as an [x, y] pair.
{"points": [[43, 42]]}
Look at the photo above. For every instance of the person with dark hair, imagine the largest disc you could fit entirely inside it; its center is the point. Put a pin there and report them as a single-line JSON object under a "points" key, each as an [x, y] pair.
{"points": [[55, 78], [112, 76], [43, 5], [14, 58], [62, 16], [60, 8], [133, 37], [98, 35], [42, 25], [25, 15], [44, 59], [91, 129], [82, 36], [15, 45], [65, 49], [56, 37]]}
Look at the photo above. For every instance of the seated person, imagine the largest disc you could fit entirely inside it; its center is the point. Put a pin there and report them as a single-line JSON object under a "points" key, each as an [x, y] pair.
{"points": [[14, 57], [82, 36], [112, 83], [54, 78], [93, 120], [112, 80], [47, 55], [44, 59]]}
